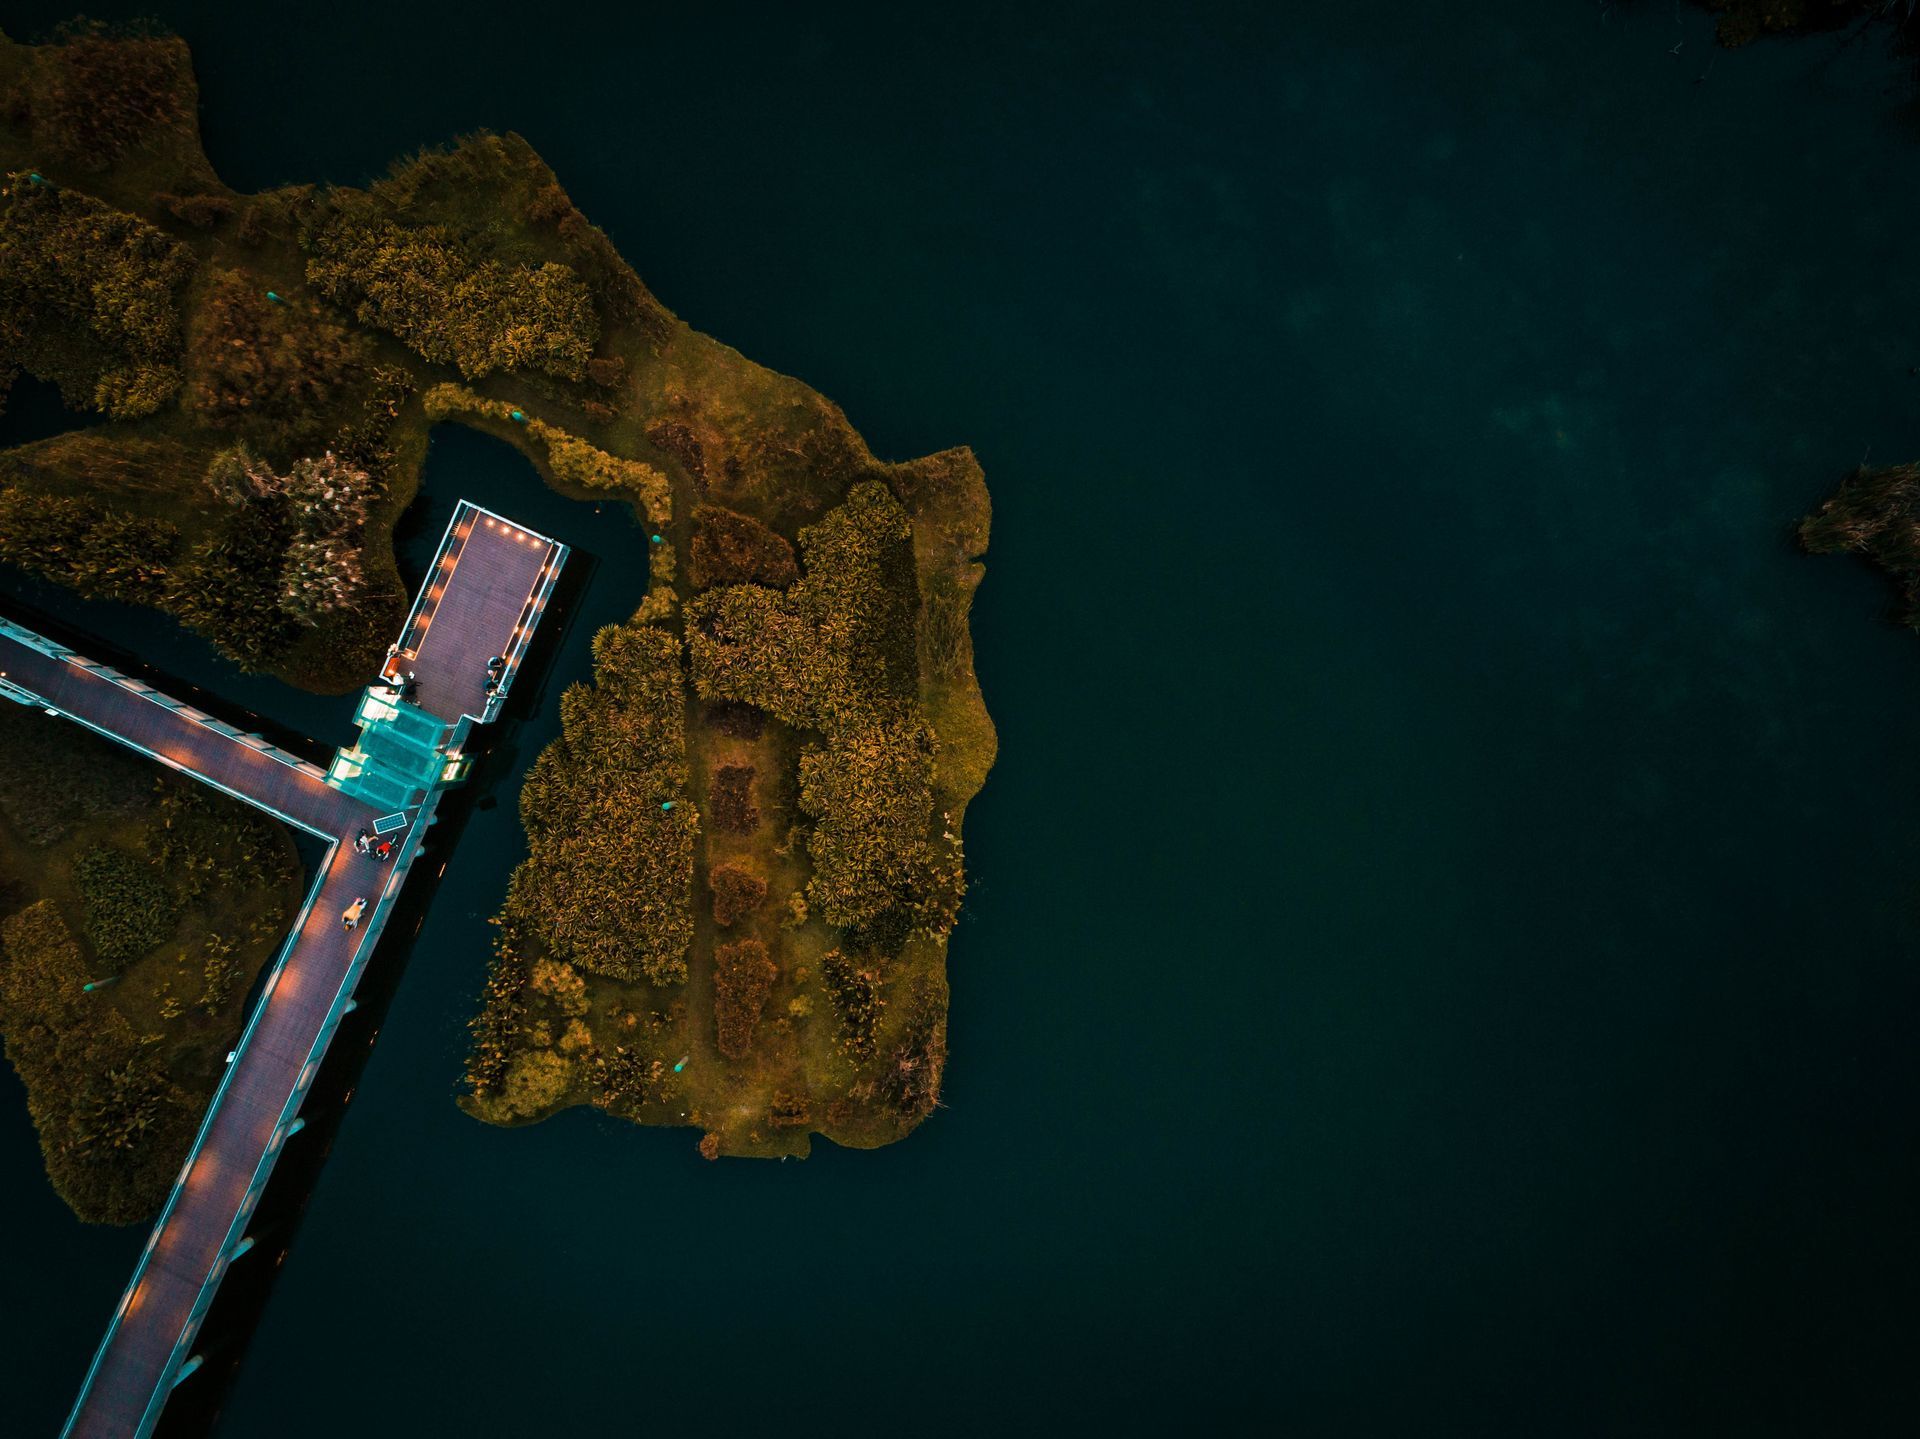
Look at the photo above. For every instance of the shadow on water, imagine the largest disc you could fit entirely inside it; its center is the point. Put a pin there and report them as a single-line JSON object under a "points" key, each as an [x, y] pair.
{"points": [[590, 594], [34, 411]]}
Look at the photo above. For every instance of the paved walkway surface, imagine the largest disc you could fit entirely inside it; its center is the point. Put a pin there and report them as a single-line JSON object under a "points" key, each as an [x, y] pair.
{"points": [[177, 735], [480, 603]]}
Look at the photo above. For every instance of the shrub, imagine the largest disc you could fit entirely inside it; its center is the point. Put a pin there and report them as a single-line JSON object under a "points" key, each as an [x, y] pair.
{"points": [[871, 797], [98, 92], [445, 400], [737, 892], [885, 934], [607, 883], [730, 800], [202, 212], [492, 1029], [229, 586], [910, 1082], [789, 1110], [220, 974], [572, 460], [854, 992], [127, 908], [796, 911], [320, 506], [446, 304], [321, 575], [91, 298], [250, 359], [85, 545], [526, 209], [537, 1080], [742, 979], [732, 549], [674, 438], [837, 651], [627, 1079], [256, 225], [1744, 21], [1875, 513], [575, 462]]}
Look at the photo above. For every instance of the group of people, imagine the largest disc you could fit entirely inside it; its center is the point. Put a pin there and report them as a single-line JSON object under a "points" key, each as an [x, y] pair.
{"points": [[364, 843], [405, 685]]}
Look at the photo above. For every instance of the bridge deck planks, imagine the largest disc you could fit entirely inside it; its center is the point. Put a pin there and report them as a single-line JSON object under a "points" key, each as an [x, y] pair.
{"points": [[487, 591]]}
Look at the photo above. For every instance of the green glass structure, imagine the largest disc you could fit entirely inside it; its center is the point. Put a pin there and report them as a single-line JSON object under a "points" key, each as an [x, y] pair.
{"points": [[403, 752]]}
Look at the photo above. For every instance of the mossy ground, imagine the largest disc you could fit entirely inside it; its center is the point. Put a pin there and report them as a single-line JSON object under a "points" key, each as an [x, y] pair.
{"points": [[659, 402]]}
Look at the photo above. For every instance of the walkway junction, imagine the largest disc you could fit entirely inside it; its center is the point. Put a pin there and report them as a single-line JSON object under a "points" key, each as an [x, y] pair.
{"points": [[451, 669]]}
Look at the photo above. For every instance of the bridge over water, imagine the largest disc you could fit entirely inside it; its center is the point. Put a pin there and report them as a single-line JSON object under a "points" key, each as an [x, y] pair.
{"points": [[482, 600]]}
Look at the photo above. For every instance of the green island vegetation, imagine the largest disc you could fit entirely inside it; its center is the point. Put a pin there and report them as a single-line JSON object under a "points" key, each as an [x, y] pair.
{"points": [[168, 895], [1743, 21], [1875, 513], [744, 849]]}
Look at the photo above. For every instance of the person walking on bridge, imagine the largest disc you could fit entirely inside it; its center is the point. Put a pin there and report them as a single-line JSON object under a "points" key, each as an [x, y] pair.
{"points": [[350, 918]]}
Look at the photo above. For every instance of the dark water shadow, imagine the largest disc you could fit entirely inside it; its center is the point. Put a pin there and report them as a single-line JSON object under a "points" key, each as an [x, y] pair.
{"points": [[34, 411]]}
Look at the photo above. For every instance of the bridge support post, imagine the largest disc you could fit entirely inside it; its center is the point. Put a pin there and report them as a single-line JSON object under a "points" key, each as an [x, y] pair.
{"points": [[352, 1005], [299, 1123], [187, 1370], [242, 1247]]}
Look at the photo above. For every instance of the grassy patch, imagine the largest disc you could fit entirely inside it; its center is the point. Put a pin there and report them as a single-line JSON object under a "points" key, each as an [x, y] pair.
{"points": [[126, 908]]}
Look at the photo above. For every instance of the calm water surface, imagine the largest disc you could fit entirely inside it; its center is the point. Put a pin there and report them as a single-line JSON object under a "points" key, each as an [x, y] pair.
{"points": [[1441, 957]]}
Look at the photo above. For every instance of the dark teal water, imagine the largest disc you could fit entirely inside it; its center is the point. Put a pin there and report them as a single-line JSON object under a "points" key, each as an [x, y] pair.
{"points": [[1441, 957]]}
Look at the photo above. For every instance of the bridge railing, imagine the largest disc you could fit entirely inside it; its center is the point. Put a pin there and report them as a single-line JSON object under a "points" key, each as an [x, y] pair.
{"points": [[524, 627], [34, 641]]}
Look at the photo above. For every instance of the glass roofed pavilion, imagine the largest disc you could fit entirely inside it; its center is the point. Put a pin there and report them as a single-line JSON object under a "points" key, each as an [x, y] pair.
{"points": [[454, 663]]}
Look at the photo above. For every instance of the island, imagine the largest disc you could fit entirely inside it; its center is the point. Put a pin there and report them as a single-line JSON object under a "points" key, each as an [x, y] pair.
{"points": [[1875, 513], [744, 851], [1744, 21]]}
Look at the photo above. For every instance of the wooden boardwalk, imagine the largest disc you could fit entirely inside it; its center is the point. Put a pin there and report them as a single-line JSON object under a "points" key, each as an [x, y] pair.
{"points": [[482, 601], [446, 645]]}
